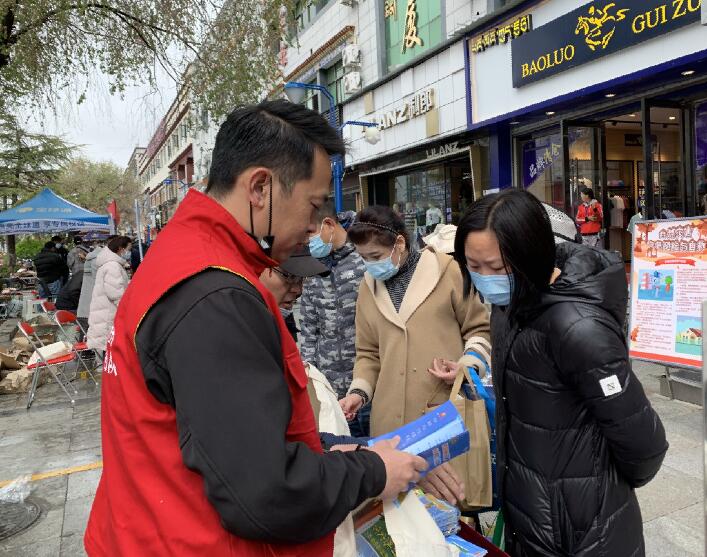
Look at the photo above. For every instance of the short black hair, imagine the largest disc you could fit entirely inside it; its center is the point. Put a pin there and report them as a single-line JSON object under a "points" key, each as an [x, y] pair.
{"points": [[117, 243], [327, 209], [50, 245], [524, 234], [379, 223], [589, 192], [275, 134], [56, 239]]}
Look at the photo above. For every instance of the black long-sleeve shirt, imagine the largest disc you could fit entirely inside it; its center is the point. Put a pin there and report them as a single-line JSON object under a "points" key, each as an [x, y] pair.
{"points": [[211, 349]]}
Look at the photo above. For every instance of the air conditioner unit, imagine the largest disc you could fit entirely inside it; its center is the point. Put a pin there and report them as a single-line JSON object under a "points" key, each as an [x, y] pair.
{"points": [[351, 56], [352, 83], [349, 3]]}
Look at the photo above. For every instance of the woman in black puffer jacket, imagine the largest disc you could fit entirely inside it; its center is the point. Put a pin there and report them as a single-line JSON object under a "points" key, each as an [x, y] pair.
{"points": [[576, 434]]}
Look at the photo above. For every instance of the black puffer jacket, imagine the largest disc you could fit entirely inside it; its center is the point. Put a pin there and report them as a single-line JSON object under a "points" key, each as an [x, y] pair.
{"points": [[576, 433], [50, 266]]}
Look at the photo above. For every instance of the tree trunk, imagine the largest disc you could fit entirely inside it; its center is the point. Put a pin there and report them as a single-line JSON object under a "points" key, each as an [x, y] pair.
{"points": [[11, 253]]}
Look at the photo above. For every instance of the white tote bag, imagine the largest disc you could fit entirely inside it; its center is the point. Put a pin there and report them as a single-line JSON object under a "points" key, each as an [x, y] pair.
{"points": [[413, 530]]}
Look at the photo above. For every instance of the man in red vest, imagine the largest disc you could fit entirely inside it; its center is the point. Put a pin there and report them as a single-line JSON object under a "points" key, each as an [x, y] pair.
{"points": [[209, 440]]}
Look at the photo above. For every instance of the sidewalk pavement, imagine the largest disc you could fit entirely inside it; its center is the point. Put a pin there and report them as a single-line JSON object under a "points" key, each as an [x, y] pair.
{"points": [[55, 438]]}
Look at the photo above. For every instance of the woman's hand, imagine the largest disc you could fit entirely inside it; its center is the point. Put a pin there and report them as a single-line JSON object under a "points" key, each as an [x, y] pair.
{"points": [[444, 370], [351, 404], [444, 483]]}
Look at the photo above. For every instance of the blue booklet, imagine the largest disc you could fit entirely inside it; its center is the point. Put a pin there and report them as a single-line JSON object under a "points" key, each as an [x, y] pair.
{"points": [[438, 436]]}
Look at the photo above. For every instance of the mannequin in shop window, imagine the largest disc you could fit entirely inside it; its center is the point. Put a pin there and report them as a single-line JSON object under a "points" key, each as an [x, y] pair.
{"points": [[589, 218], [433, 217]]}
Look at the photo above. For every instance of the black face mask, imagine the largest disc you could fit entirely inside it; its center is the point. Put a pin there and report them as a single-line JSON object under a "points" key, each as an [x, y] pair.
{"points": [[267, 242]]}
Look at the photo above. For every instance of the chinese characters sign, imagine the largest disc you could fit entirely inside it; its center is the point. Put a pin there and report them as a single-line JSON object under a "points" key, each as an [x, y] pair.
{"points": [[668, 286], [411, 38], [503, 34], [594, 30], [412, 27]]}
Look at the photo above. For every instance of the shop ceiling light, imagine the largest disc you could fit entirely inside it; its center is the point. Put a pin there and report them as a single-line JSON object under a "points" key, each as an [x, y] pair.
{"points": [[610, 95], [514, 123], [672, 117], [550, 113], [632, 115], [688, 72]]}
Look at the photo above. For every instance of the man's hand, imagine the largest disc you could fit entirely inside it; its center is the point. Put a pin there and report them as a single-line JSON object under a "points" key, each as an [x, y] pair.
{"points": [[351, 404], [444, 483], [401, 469], [593, 219]]}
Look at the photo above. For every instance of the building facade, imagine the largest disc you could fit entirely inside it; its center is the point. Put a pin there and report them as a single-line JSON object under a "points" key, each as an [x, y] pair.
{"points": [[167, 166], [614, 100]]}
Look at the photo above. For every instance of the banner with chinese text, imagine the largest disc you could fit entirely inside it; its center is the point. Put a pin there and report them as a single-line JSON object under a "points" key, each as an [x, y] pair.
{"points": [[668, 286]]}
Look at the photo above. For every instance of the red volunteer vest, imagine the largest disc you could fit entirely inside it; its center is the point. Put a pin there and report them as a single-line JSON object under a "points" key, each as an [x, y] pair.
{"points": [[148, 502]]}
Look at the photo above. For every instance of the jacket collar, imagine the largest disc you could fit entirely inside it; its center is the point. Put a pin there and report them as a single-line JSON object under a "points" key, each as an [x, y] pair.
{"points": [[335, 257], [209, 217], [427, 275]]}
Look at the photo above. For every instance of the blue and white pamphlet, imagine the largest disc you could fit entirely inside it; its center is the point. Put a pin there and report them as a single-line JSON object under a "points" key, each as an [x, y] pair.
{"points": [[438, 436]]}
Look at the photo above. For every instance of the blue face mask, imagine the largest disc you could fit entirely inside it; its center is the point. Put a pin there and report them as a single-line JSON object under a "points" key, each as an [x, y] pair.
{"points": [[383, 269], [318, 248], [495, 289]]}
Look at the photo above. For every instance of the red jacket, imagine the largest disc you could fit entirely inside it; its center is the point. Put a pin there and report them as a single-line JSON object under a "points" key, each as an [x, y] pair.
{"points": [[587, 227], [148, 502]]}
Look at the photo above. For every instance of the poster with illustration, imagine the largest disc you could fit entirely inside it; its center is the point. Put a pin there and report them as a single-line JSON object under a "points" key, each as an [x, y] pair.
{"points": [[668, 286]]}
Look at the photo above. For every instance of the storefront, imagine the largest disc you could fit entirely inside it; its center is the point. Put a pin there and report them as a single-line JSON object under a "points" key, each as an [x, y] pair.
{"points": [[425, 166], [431, 185], [610, 96]]}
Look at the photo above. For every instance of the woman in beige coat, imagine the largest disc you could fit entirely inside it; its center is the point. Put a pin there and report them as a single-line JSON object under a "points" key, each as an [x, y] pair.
{"points": [[411, 312]]}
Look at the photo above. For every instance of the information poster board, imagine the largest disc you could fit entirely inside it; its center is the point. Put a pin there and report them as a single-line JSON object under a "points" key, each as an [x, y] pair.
{"points": [[668, 287]]}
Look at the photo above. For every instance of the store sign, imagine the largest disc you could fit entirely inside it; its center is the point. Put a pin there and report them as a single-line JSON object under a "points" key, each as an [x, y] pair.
{"points": [[538, 155], [444, 150], [503, 34], [418, 104], [595, 30], [411, 38]]}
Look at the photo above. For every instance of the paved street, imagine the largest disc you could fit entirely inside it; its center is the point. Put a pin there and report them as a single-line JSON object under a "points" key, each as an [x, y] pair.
{"points": [[54, 438]]}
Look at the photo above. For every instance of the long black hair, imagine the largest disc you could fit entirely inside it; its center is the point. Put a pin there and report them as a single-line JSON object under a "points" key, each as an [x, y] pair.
{"points": [[522, 228]]}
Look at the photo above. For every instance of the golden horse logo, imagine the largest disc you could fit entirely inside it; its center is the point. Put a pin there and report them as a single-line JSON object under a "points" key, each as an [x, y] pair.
{"points": [[600, 25]]}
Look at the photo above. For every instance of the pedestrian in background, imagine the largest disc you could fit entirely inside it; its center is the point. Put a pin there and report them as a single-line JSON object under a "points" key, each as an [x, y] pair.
{"points": [[411, 314], [89, 280], [52, 271], [286, 282], [111, 282], [328, 304], [590, 218], [576, 433], [60, 247], [69, 295], [77, 256]]}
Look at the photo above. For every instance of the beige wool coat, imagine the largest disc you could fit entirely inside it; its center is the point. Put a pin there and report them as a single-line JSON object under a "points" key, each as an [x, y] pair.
{"points": [[395, 349]]}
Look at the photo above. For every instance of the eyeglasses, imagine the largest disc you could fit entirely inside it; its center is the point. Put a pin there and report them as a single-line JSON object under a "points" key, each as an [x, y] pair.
{"points": [[289, 277]]}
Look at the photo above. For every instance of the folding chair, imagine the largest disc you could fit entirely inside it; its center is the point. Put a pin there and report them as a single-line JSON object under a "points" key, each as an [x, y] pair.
{"points": [[49, 308], [52, 364], [64, 318]]}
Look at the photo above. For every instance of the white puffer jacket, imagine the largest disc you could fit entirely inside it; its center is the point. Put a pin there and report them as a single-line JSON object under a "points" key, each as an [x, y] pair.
{"points": [[111, 282]]}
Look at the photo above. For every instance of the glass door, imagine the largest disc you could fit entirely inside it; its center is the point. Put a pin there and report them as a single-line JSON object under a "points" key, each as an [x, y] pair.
{"points": [[661, 176], [584, 163]]}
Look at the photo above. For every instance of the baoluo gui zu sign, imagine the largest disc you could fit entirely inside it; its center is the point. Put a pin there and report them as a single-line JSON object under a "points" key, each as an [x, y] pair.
{"points": [[595, 30], [668, 287]]}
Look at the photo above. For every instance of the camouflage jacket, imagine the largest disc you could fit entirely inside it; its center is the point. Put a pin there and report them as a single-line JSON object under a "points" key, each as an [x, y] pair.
{"points": [[328, 317]]}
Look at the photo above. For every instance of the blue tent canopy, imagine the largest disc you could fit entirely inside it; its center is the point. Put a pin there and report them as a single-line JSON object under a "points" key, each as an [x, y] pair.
{"points": [[47, 212]]}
